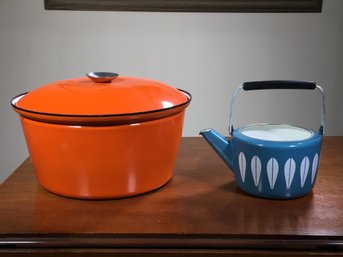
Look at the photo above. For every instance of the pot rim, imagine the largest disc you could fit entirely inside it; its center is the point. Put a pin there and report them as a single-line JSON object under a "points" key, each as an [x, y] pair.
{"points": [[90, 118], [238, 134]]}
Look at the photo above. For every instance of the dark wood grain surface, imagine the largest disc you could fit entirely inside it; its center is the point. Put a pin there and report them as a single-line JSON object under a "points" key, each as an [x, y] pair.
{"points": [[200, 208]]}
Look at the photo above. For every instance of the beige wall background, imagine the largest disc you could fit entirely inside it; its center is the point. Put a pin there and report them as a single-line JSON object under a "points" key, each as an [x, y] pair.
{"points": [[207, 54]]}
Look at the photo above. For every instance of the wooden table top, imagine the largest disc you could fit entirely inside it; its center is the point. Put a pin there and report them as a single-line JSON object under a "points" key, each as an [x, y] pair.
{"points": [[200, 207]]}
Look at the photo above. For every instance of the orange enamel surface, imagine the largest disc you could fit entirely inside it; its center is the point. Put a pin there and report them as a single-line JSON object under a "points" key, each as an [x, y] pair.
{"points": [[103, 120], [104, 162], [82, 96]]}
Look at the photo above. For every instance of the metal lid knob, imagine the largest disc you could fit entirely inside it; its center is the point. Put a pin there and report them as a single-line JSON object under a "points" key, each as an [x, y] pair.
{"points": [[101, 77]]}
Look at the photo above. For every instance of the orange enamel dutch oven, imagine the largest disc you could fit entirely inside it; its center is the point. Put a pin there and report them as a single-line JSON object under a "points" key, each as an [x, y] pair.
{"points": [[104, 135]]}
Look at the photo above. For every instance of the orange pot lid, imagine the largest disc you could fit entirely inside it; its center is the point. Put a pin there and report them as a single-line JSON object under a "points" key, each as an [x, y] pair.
{"points": [[101, 96]]}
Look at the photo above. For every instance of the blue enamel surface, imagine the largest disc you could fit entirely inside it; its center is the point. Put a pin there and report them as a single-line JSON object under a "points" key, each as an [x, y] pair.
{"points": [[254, 154], [220, 145], [281, 152]]}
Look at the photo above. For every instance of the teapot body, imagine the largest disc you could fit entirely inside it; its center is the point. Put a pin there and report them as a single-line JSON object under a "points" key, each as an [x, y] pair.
{"points": [[275, 169], [276, 161]]}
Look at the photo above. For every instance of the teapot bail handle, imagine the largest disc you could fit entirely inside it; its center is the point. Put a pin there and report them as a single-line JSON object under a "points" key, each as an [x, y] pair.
{"points": [[280, 84]]}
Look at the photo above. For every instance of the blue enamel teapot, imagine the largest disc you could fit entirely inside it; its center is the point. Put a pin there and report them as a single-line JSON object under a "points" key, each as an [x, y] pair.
{"points": [[275, 161]]}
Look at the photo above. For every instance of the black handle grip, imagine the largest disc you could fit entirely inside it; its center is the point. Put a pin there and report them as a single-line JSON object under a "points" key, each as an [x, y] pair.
{"points": [[279, 84]]}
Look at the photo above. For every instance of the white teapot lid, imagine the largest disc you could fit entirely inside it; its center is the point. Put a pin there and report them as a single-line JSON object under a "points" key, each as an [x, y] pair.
{"points": [[276, 132]]}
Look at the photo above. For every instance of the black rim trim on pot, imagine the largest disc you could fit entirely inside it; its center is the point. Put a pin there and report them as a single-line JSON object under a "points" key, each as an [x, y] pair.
{"points": [[189, 96]]}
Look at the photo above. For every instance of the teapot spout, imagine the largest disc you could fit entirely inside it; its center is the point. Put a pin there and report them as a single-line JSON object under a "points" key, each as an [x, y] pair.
{"points": [[221, 145]]}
